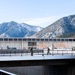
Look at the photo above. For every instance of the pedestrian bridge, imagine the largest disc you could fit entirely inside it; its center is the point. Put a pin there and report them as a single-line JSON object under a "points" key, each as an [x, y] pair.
{"points": [[56, 57]]}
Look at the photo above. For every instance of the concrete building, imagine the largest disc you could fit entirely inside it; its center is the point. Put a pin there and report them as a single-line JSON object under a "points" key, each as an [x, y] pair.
{"points": [[40, 43]]}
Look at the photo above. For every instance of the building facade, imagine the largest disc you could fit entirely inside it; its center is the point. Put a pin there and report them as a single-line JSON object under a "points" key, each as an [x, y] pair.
{"points": [[41, 43]]}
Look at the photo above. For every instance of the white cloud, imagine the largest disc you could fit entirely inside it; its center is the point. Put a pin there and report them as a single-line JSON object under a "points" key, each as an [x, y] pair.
{"points": [[43, 22]]}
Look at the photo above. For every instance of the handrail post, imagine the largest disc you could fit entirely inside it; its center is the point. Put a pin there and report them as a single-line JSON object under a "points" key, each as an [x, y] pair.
{"points": [[62, 52], [52, 52], [21, 53], [10, 53], [71, 52]]}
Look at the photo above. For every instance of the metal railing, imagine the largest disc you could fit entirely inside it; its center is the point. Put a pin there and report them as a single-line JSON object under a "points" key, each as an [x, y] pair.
{"points": [[62, 52], [19, 52]]}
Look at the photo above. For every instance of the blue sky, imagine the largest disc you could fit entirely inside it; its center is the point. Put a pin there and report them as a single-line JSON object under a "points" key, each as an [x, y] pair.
{"points": [[35, 12]]}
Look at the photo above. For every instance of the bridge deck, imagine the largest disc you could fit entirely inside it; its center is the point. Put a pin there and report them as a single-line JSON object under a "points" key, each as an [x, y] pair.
{"points": [[19, 58], [7, 61], [36, 57]]}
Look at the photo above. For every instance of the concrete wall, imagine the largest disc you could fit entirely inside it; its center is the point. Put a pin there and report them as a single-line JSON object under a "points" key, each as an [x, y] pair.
{"points": [[57, 44], [24, 45], [42, 70], [40, 44], [4, 44]]}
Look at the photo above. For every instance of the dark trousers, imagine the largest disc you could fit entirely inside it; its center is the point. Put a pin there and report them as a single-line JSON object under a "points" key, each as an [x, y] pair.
{"points": [[48, 53], [31, 53]]}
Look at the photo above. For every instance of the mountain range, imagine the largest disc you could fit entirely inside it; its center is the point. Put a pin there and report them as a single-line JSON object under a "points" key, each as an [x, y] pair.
{"points": [[14, 29], [64, 27]]}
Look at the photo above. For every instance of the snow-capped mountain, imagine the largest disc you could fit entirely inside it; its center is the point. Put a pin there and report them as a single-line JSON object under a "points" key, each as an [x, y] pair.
{"points": [[14, 29], [31, 27], [64, 27]]}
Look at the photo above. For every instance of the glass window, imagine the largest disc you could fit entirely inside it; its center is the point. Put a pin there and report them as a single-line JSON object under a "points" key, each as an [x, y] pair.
{"points": [[5, 39], [1, 39], [38, 39], [42, 39], [19, 39], [33, 39], [62, 39], [70, 39], [24, 39], [50, 39], [29, 39], [54, 40], [32, 43], [58, 39], [73, 39], [46, 39], [66, 39], [10, 39], [15, 39]]}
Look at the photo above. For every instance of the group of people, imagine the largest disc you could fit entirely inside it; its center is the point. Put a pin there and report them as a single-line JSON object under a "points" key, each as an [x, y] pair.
{"points": [[48, 51]]}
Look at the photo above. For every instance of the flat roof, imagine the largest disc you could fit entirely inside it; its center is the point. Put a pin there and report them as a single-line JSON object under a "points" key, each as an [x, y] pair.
{"points": [[37, 39]]}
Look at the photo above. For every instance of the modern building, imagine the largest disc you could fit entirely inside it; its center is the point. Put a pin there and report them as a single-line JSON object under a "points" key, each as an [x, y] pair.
{"points": [[40, 43]]}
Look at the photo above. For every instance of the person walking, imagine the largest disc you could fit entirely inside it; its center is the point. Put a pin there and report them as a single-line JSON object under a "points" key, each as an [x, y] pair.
{"points": [[31, 50], [48, 51]]}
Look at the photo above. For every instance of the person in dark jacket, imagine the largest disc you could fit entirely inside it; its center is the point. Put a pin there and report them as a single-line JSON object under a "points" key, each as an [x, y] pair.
{"points": [[48, 51], [31, 50]]}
